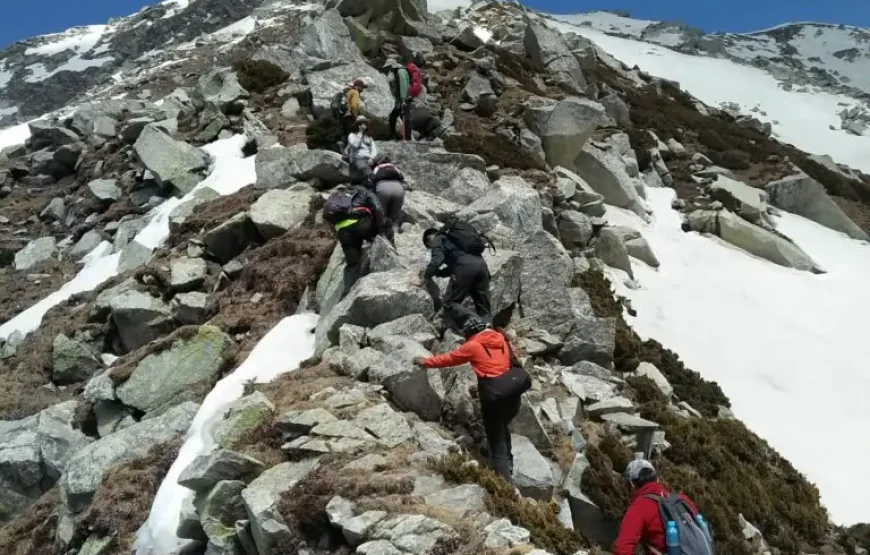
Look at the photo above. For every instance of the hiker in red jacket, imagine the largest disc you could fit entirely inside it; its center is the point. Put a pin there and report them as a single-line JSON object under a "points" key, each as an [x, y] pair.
{"points": [[642, 523], [501, 381]]}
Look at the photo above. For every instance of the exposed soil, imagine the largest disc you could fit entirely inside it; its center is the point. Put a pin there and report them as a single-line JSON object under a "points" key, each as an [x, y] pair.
{"points": [[19, 290], [211, 214]]}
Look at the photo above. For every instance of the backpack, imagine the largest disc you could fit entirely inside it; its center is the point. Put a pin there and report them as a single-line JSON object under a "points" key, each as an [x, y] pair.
{"points": [[465, 237], [386, 172], [416, 78], [403, 84], [340, 205], [694, 540], [338, 105]]}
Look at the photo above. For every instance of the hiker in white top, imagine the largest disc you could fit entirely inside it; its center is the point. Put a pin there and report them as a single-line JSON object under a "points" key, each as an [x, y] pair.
{"points": [[361, 151]]}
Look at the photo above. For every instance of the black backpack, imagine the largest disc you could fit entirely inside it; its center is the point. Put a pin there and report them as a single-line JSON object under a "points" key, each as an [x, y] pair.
{"points": [[384, 172], [340, 205], [465, 237], [694, 540], [339, 104]]}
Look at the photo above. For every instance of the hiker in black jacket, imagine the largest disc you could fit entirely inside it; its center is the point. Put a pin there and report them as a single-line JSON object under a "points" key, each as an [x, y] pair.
{"points": [[364, 221], [469, 276]]}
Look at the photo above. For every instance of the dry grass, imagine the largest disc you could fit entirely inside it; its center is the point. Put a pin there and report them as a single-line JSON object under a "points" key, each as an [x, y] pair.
{"points": [[123, 501], [539, 518], [211, 214], [19, 291], [32, 533]]}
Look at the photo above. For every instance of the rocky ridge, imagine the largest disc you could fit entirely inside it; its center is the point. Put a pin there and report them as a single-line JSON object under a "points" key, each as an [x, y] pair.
{"points": [[359, 450]]}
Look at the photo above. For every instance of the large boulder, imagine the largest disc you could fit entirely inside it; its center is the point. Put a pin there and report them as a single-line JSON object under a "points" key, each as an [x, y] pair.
{"points": [[33, 454], [327, 41], [207, 470], [173, 163], [218, 512], [183, 211], [105, 190], [83, 473], [587, 518], [261, 498], [532, 472], [85, 245], [803, 195], [515, 202], [50, 133], [564, 126], [456, 177], [375, 299], [575, 228], [603, 167], [610, 248], [377, 98], [279, 211], [36, 251], [241, 418], [738, 197], [139, 318], [505, 268], [230, 238], [546, 275], [588, 201], [733, 229], [183, 371], [412, 388], [187, 274], [220, 87], [71, 361], [402, 17], [547, 49]]}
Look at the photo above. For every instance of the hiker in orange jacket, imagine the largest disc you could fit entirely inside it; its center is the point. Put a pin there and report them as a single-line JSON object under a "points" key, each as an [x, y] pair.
{"points": [[500, 384]]}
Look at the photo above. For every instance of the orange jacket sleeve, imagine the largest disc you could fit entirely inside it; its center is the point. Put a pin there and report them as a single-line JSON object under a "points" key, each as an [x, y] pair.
{"points": [[353, 102], [460, 355], [630, 531]]}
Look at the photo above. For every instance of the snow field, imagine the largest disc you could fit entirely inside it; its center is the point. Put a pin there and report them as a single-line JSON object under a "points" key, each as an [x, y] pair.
{"points": [[786, 346]]}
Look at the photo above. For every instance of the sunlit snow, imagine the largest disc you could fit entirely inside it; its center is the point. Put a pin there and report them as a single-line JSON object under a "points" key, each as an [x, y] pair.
{"points": [[230, 172], [800, 118], [79, 39], [279, 352], [787, 347]]}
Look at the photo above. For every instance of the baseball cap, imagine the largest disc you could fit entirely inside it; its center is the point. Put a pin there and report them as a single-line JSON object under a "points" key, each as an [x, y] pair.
{"points": [[639, 469]]}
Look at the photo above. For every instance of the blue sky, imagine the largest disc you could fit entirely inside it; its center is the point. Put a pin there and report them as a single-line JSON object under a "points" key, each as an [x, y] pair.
{"points": [[25, 18]]}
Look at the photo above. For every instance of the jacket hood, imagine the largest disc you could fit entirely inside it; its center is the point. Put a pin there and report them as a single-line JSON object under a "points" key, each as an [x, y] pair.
{"points": [[490, 339], [654, 488]]}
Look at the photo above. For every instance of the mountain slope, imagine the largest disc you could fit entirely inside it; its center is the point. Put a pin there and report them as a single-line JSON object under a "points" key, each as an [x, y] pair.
{"points": [[188, 224]]}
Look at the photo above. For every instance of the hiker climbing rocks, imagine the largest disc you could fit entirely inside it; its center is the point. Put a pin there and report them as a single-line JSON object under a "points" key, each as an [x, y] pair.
{"points": [[406, 85], [458, 247], [357, 217], [389, 187], [346, 106], [361, 152], [501, 382], [665, 522]]}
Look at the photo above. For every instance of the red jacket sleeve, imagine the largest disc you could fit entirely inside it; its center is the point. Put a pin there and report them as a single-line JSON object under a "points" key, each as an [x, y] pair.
{"points": [[630, 531], [458, 356]]}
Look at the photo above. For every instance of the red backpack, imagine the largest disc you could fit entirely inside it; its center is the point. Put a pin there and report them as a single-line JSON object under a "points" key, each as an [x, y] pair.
{"points": [[416, 86]]}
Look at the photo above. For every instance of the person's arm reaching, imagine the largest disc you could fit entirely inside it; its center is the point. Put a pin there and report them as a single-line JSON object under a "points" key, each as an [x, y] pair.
{"points": [[435, 262], [630, 532], [460, 355]]}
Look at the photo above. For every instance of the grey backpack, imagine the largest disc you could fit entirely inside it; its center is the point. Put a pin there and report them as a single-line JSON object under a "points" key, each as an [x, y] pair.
{"points": [[694, 540]]}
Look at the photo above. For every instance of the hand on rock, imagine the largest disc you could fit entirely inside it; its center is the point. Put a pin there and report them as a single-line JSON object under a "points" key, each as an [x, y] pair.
{"points": [[416, 281], [420, 361]]}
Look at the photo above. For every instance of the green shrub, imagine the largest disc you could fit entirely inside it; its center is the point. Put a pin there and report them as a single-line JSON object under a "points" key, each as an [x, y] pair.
{"points": [[324, 133], [257, 76]]}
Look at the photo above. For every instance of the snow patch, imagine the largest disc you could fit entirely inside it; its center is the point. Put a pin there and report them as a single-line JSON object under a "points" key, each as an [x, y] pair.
{"points": [[230, 172], [280, 351], [79, 39], [240, 28], [607, 22], [786, 346]]}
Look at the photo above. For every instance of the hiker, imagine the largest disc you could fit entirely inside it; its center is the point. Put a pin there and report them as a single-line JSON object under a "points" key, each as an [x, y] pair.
{"points": [[651, 506], [389, 187], [357, 217], [406, 83], [346, 106], [361, 152], [501, 382], [459, 247]]}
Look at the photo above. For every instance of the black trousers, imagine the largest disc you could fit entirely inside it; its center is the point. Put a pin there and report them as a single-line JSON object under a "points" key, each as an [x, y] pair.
{"points": [[470, 279], [351, 240], [497, 417], [401, 109]]}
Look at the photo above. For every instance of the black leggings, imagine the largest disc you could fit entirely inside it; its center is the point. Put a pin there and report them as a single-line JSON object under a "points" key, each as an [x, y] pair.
{"points": [[497, 416], [351, 240]]}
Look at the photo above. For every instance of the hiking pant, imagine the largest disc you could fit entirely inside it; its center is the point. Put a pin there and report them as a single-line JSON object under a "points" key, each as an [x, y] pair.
{"points": [[391, 195], [401, 109], [470, 278], [497, 416], [351, 240]]}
